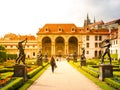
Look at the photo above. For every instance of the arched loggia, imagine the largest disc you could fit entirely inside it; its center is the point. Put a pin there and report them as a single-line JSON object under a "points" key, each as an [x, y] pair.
{"points": [[46, 46], [73, 45], [59, 46]]}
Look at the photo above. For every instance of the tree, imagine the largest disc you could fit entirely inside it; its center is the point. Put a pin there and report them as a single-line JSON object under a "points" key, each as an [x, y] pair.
{"points": [[2, 48], [2, 53]]}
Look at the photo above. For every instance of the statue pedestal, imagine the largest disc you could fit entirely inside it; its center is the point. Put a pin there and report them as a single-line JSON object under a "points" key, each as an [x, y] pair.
{"points": [[106, 70], [46, 60], [82, 62], [39, 62], [20, 71]]}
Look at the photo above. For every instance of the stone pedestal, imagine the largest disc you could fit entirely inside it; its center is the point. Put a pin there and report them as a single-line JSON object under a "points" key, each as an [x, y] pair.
{"points": [[39, 62], [20, 71], [105, 70], [82, 62]]}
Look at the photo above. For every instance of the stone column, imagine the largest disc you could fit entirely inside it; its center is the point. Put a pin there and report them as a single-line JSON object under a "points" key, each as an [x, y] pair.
{"points": [[66, 48], [53, 48]]}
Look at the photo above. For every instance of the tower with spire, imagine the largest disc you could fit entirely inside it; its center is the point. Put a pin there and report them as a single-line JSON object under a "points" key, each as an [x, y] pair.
{"points": [[87, 23]]}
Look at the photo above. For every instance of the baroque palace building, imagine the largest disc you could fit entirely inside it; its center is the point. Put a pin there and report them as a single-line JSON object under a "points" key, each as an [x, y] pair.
{"points": [[10, 42], [66, 38]]}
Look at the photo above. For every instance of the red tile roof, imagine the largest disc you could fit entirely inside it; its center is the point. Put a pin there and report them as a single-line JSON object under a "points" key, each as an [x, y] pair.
{"points": [[54, 28], [67, 29]]}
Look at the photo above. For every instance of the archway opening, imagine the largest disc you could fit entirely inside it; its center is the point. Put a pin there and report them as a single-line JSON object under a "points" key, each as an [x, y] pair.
{"points": [[73, 45], [46, 46], [59, 46]]}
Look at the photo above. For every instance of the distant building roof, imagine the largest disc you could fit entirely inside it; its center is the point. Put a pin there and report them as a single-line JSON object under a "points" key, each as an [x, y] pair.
{"points": [[96, 23], [12, 36], [113, 21]]}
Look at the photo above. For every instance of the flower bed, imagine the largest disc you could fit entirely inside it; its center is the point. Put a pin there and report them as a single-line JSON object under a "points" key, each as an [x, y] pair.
{"points": [[14, 84]]}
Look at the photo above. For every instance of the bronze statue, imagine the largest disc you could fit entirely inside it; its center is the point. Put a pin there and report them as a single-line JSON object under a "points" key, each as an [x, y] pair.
{"points": [[106, 43], [39, 58], [83, 54], [75, 56], [21, 56]]}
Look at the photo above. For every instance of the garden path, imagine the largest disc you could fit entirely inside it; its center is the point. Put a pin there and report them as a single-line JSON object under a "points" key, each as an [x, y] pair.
{"points": [[65, 77]]}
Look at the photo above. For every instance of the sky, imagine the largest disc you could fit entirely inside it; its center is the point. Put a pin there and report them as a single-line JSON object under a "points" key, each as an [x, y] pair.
{"points": [[27, 16]]}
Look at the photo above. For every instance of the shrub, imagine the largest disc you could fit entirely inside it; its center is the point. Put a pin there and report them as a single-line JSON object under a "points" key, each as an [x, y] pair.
{"points": [[91, 63], [116, 74], [112, 83], [2, 56]]}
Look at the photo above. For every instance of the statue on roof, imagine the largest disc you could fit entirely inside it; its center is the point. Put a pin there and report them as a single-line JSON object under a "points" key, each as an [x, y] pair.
{"points": [[106, 44], [21, 48]]}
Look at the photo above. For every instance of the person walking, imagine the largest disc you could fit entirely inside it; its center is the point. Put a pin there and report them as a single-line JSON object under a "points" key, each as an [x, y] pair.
{"points": [[53, 64]]}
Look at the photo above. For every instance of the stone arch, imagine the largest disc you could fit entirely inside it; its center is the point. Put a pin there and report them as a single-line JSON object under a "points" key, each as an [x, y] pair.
{"points": [[46, 46], [59, 46], [72, 45]]}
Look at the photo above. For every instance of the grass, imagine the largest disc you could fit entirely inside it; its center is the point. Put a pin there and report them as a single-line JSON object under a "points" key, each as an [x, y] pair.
{"points": [[98, 82], [30, 81]]}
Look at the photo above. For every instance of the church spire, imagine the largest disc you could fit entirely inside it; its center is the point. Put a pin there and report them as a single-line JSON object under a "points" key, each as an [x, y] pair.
{"points": [[88, 20], [94, 19], [87, 17], [87, 23]]}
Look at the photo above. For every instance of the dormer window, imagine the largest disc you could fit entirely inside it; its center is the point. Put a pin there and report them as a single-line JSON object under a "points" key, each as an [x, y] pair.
{"points": [[47, 29], [73, 29], [60, 29]]}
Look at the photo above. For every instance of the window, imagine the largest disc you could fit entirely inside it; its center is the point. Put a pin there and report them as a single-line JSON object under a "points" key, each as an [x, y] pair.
{"points": [[96, 45], [87, 52], [96, 38], [33, 53], [47, 29], [73, 29], [95, 54], [87, 45], [87, 29], [11, 46], [100, 38], [100, 45], [87, 38], [60, 29], [100, 53]]}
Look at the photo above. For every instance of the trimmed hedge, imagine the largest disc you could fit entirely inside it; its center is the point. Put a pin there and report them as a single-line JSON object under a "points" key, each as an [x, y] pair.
{"points": [[113, 83], [93, 73], [14, 85], [3, 70], [11, 56], [33, 72]]}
